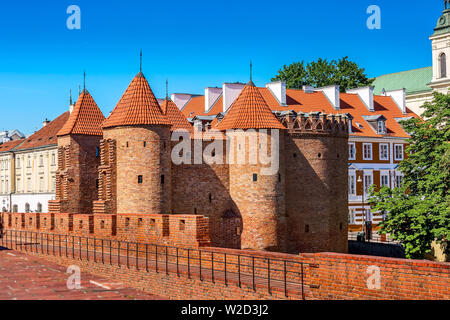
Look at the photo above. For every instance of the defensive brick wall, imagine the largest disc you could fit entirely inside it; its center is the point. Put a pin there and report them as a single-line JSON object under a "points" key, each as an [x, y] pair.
{"points": [[325, 275]]}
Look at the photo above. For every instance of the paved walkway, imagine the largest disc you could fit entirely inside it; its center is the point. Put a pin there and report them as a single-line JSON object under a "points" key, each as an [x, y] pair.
{"points": [[24, 277]]}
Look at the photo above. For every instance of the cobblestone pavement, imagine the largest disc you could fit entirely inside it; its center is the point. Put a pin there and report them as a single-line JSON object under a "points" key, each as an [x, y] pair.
{"points": [[24, 277]]}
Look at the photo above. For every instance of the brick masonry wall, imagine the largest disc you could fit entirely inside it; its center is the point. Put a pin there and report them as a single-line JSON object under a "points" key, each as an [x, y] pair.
{"points": [[326, 275], [142, 151], [316, 193], [76, 186]]}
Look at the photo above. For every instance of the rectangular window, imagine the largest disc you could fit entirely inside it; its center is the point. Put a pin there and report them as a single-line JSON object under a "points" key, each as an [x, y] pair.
{"points": [[381, 127], [53, 159], [18, 162], [351, 151], [384, 153], [19, 185], [140, 179], [41, 184], [398, 181], [351, 216], [41, 160], [367, 151], [398, 151], [367, 183], [255, 177], [352, 184], [384, 180], [29, 185]]}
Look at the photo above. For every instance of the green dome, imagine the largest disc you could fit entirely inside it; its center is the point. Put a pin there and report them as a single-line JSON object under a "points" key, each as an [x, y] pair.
{"points": [[443, 23]]}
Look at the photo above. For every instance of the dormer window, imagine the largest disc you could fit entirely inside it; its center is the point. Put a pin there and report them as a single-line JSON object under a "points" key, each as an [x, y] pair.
{"points": [[381, 127]]}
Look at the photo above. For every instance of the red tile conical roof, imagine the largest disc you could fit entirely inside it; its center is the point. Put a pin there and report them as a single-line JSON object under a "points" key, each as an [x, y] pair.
{"points": [[86, 118], [176, 118], [249, 111], [138, 106]]}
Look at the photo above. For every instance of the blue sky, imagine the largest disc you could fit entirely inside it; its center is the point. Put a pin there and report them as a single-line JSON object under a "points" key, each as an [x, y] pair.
{"points": [[192, 43]]}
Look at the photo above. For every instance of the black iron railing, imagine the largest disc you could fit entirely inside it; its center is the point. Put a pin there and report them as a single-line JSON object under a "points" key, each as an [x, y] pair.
{"points": [[255, 272]]}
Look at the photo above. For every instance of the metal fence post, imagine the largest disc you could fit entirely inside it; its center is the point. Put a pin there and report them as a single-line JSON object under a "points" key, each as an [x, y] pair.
{"points": [[95, 249], [212, 267], [167, 260], [268, 275], [225, 264], [118, 253], [178, 270], [253, 273], [303, 293], [239, 270], [137, 256], [189, 265], [156, 261], [146, 257], [285, 280], [128, 257], [200, 262]]}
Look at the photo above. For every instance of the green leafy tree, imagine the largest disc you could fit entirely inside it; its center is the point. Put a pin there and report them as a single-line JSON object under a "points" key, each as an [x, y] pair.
{"points": [[419, 211], [322, 73]]}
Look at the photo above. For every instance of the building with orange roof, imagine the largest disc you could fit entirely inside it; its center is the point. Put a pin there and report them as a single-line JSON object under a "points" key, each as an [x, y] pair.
{"points": [[244, 205], [31, 171], [376, 137], [78, 158]]}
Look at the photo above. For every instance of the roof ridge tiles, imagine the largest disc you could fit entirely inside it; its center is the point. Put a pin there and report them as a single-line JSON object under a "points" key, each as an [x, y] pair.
{"points": [[137, 106]]}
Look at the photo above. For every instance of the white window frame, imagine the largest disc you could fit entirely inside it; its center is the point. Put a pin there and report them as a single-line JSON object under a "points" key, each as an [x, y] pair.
{"points": [[364, 151], [352, 190], [387, 151], [351, 216], [395, 152], [381, 180], [398, 176], [351, 145], [365, 186], [381, 127]]}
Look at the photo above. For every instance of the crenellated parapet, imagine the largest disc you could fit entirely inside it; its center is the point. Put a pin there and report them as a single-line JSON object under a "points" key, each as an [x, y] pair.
{"points": [[314, 123]]}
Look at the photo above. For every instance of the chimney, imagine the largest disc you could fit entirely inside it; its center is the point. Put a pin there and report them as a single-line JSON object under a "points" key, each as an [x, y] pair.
{"points": [[399, 97], [278, 90], [71, 108], [45, 122], [308, 89], [211, 96], [198, 126], [366, 95], [230, 92], [180, 99], [332, 94]]}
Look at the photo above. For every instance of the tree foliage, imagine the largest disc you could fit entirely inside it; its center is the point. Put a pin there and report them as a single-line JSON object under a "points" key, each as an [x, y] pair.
{"points": [[419, 211], [322, 73]]}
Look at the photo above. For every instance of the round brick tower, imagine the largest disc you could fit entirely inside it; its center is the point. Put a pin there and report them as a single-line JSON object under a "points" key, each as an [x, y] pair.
{"points": [[316, 148], [256, 170], [142, 162]]}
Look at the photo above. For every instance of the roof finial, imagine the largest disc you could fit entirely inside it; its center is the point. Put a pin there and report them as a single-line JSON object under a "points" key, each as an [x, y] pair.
{"points": [[167, 89], [250, 83], [79, 89], [70, 97], [84, 80], [140, 64]]}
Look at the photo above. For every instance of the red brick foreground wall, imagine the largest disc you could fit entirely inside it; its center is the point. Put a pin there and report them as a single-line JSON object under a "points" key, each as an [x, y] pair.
{"points": [[327, 275], [178, 230]]}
